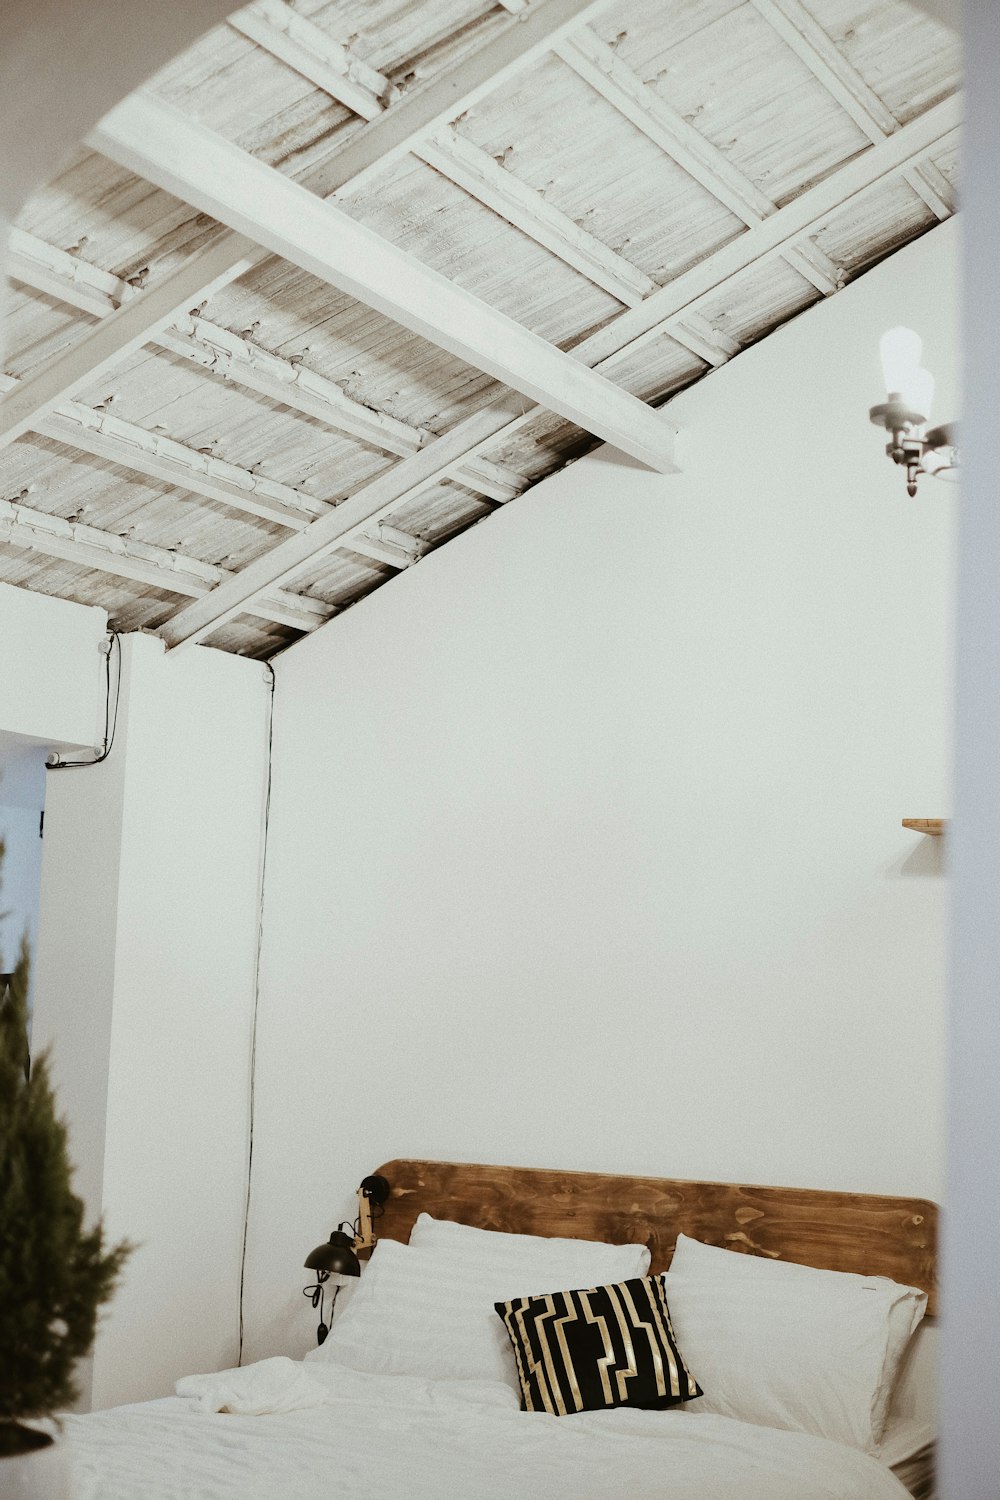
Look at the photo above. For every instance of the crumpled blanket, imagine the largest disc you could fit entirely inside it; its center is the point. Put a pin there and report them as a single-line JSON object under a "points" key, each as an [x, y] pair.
{"points": [[270, 1385]]}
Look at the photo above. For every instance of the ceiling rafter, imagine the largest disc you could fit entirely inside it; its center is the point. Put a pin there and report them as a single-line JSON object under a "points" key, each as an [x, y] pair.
{"points": [[230, 357], [336, 70], [271, 23], [161, 144], [156, 567], [821, 55], [676, 303], [599, 66]]}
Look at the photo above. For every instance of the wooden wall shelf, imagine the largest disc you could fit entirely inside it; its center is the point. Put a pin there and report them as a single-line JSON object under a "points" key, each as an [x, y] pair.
{"points": [[934, 826]]}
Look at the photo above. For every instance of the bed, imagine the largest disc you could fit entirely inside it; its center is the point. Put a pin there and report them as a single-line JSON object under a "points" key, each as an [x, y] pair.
{"points": [[394, 1407]]}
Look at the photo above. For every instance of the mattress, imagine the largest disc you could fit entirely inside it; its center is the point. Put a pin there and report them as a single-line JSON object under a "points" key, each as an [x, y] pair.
{"points": [[377, 1437]]}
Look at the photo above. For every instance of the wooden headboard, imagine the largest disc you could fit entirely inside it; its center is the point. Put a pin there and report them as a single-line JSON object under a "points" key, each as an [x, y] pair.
{"points": [[872, 1236]]}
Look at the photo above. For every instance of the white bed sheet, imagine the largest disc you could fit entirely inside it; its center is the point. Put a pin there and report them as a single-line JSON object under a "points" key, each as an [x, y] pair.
{"points": [[400, 1438]]}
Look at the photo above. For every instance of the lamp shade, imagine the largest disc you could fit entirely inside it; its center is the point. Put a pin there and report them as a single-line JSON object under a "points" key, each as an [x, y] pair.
{"points": [[336, 1256], [900, 349]]}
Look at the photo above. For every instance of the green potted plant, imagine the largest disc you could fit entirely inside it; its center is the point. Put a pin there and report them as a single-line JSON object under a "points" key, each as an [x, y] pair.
{"points": [[55, 1273]]}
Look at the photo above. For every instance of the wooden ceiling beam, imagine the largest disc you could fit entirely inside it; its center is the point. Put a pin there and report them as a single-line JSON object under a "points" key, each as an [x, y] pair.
{"points": [[300, 44], [407, 479], [154, 567], [599, 66], [159, 457], [272, 23], [814, 47], [930, 184], [161, 144]]}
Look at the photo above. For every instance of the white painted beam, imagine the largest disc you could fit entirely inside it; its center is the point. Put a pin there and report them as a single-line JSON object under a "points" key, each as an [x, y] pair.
{"points": [[244, 363], [277, 28], [409, 478], [155, 567], [160, 457], [161, 144], [930, 184], [813, 46], [59, 274]]}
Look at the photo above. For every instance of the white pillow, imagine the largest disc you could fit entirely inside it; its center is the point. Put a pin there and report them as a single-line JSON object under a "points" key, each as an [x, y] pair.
{"points": [[429, 1311], [783, 1345], [531, 1251]]}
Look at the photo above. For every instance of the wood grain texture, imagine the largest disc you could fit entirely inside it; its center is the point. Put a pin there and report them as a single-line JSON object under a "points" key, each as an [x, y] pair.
{"points": [[863, 1233], [934, 826]]}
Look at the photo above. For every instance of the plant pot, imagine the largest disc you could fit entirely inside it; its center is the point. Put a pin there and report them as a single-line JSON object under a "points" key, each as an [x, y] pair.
{"points": [[38, 1469]]}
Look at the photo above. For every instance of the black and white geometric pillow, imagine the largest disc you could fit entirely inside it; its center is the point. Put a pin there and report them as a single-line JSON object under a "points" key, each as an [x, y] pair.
{"points": [[597, 1348]]}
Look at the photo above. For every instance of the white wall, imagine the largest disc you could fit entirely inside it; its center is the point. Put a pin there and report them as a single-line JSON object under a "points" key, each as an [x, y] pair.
{"points": [[51, 670], [970, 1458], [145, 987], [585, 846]]}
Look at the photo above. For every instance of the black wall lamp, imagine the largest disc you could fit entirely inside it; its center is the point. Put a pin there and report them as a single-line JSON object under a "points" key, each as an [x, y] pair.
{"points": [[337, 1256]]}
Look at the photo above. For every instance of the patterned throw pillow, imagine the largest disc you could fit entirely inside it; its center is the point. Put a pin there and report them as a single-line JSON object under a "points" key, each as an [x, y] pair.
{"points": [[593, 1349]]}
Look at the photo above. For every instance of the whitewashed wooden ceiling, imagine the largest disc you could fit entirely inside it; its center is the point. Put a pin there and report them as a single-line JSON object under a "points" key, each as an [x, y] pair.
{"points": [[351, 274]]}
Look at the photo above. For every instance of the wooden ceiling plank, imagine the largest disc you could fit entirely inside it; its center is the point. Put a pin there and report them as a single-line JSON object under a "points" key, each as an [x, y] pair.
{"points": [[161, 144], [410, 477], [772, 237], [813, 46], [448, 152], [154, 567]]}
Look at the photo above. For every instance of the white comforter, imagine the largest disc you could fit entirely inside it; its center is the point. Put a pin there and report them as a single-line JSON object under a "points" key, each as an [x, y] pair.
{"points": [[369, 1437]]}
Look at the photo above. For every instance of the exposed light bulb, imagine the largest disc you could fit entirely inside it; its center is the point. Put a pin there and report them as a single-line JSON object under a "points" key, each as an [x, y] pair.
{"points": [[900, 349]]}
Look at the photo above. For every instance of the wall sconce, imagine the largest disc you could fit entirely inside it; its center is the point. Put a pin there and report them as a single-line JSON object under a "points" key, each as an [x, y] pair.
{"points": [[906, 411], [337, 1256]]}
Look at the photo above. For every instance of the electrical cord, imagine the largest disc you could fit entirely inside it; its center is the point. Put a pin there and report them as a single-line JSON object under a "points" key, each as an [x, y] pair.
{"points": [[55, 761], [256, 1006]]}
